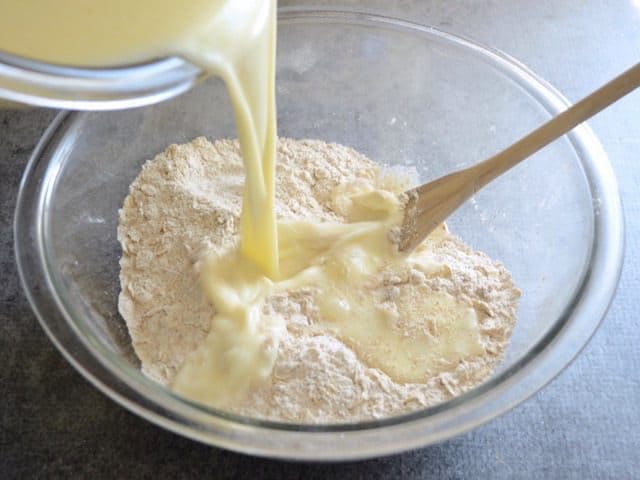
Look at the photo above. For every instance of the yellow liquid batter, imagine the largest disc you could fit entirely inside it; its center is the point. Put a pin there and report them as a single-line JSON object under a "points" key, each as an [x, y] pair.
{"points": [[232, 39], [100, 33], [236, 40]]}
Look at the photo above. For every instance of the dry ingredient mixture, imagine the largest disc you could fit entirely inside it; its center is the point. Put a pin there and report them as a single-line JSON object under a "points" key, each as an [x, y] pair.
{"points": [[186, 203]]}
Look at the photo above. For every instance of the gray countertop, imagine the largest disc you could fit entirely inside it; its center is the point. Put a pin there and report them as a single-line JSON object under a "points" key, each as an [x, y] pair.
{"points": [[585, 424]]}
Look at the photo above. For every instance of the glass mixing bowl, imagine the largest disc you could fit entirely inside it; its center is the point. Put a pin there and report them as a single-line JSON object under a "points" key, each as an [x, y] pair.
{"points": [[403, 94]]}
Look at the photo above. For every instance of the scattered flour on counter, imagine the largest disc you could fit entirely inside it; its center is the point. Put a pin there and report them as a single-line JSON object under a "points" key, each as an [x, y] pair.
{"points": [[186, 202]]}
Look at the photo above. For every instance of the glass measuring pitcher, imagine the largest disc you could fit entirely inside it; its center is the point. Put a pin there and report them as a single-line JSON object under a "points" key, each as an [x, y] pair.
{"points": [[56, 54]]}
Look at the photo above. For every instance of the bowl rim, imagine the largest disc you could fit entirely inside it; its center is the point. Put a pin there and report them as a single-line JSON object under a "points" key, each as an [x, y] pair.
{"points": [[352, 440], [36, 83]]}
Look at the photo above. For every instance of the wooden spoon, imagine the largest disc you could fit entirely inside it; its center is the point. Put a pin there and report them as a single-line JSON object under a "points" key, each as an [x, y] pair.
{"points": [[430, 204]]}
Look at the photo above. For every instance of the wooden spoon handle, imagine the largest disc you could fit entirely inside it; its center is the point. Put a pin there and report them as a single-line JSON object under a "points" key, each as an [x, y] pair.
{"points": [[430, 204], [557, 126]]}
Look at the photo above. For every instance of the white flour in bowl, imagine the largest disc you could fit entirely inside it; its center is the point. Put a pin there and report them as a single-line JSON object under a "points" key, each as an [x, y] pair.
{"points": [[186, 202]]}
